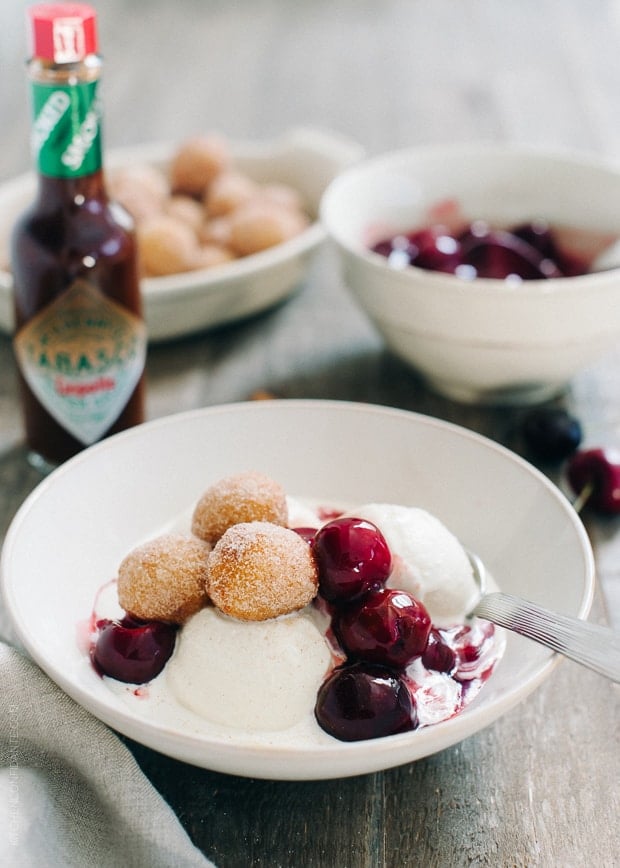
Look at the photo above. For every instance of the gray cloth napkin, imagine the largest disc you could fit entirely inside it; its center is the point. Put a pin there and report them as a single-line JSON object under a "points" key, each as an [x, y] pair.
{"points": [[71, 793]]}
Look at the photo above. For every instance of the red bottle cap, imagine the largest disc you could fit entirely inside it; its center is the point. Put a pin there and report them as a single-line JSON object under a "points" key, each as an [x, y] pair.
{"points": [[63, 32]]}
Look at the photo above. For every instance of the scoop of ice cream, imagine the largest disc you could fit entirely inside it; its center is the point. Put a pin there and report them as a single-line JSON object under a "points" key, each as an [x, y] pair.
{"points": [[301, 514], [251, 675], [428, 560]]}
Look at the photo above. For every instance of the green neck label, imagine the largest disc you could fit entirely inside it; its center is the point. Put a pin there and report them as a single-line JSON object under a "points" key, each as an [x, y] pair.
{"points": [[66, 134]]}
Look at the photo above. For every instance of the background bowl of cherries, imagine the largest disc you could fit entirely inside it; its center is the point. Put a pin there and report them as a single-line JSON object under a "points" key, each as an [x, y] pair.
{"points": [[491, 269]]}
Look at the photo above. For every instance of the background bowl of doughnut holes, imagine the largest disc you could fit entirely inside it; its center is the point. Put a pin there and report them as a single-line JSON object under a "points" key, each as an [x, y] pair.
{"points": [[225, 229]]}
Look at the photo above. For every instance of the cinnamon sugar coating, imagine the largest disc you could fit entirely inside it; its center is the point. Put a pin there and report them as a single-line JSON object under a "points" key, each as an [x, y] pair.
{"points": [[165, 579], [259, 570], [240, 498]]}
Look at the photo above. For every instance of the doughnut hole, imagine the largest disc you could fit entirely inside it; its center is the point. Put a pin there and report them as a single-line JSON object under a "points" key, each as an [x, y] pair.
{"points": [[260, 224], [197, 162], [259, 570], [165, 578], [283, 194], [142, 190], [228, 191], [215, 231], [185, 209], [210, 255], [243, 497], [166, 245]]}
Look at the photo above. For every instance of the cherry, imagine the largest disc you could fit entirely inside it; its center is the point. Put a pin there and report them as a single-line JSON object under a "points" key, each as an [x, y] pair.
{"points": [[434, 249], [399, 251], [594, 475], [529, 251], [438, 655], [353, 558], [538, 235], [383, 247], [363, 700], [133, 651], [499, 254], [387, 626], [551, 433]]}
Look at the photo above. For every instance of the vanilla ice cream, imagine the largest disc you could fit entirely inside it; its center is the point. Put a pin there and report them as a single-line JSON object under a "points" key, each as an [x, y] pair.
{"points": [[428, 560], [250, 675]]}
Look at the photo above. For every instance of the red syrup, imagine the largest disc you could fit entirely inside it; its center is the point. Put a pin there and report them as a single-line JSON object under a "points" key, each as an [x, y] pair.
{"points": [[528, 251]]}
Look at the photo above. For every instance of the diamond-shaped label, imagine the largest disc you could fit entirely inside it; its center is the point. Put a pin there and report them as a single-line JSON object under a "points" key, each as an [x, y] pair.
{"points": [[82, 356]]}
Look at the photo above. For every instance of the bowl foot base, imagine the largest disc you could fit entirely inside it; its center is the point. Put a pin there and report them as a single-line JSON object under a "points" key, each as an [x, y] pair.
{"points": [[521, 395]]}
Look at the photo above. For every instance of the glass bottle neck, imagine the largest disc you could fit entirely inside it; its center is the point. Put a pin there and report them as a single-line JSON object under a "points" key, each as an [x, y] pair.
{"points": [[54, 192], [66, 129]]}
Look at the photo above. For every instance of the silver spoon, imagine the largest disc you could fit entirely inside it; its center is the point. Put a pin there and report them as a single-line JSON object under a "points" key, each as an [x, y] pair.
{"points": [[597, 648]]}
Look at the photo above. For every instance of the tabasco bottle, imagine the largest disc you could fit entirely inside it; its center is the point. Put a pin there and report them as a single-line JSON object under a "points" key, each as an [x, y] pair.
{"points": [[80, 340]]}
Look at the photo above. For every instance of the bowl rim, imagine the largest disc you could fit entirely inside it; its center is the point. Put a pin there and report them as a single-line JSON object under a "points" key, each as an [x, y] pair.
{"points": [[484, 286]]}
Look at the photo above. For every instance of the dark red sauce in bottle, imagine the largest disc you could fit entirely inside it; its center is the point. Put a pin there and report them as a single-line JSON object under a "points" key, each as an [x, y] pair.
{"points": [[80, 340]]}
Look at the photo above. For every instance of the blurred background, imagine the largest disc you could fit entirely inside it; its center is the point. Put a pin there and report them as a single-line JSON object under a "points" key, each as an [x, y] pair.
{"points": [[538, 71], [543, 72]]}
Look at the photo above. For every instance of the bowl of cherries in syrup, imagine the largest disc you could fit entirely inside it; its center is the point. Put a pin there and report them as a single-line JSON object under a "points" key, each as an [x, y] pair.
{"points": [[491, 270]]}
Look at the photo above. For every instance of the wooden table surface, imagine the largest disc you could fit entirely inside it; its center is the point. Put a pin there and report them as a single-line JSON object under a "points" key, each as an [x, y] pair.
{"points": [[540, 786]]}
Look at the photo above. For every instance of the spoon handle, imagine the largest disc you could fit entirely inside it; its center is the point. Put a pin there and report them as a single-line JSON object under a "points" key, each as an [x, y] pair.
{"points": [[593, 646]]}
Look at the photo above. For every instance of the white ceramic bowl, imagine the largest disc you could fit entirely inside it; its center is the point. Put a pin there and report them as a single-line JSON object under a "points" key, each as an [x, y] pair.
{"points": [[70, 535], [481, 340], [181, 304]]}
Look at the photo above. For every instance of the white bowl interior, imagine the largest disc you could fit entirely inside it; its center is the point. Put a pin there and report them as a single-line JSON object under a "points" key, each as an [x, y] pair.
{"points": [[500, 184], [70, 535]]}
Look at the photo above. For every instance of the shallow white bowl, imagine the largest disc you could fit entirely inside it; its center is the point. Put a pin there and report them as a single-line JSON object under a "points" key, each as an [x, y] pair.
{"points": [[482, 340], [72, 532], [181, 304]]}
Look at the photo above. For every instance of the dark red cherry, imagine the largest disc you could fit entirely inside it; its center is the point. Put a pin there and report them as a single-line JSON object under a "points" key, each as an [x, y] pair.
{"points": [[387, 626], [398, 251], [550, 433], [353, 558], [383, 247], [438, 655], [499, 254], [594, 474], [529, 251], [363, 701], [434, 249], [133, 651], [538, 235]]}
